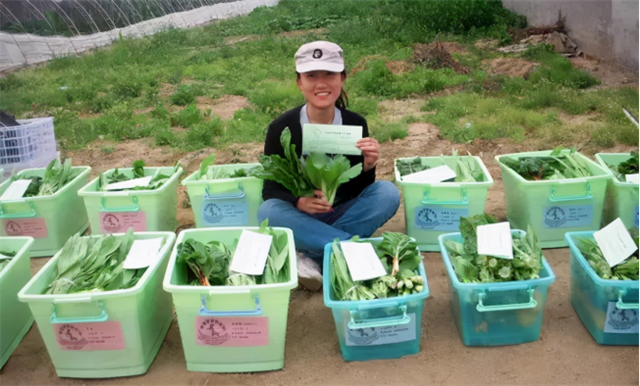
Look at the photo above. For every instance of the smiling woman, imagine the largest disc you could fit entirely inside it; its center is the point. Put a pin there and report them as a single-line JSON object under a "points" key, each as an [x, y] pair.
{"points": [[362, 204]]}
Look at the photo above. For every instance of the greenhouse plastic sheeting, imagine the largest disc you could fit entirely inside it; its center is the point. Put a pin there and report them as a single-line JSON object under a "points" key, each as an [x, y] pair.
{"points": [[18, 50]]}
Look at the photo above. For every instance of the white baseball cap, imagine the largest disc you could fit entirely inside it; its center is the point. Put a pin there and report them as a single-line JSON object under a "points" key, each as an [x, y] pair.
{"points": [[319, 56]]}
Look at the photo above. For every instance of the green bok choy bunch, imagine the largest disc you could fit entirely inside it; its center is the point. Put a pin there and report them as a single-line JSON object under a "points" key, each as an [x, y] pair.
{"points": [[465, 170], [556, 166], [56, 176], [207, 173], [158, 179], [627, 270]]}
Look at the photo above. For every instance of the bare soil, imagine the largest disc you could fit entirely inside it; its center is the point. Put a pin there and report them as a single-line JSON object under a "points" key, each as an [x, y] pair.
{"points": [[565, 354]]}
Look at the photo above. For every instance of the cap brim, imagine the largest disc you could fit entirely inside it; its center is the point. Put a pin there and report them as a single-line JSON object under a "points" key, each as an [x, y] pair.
{"points": [[319, 66]]}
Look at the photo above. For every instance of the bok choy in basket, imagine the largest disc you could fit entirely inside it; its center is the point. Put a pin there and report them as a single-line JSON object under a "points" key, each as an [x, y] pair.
{"points": [[206, 173]]}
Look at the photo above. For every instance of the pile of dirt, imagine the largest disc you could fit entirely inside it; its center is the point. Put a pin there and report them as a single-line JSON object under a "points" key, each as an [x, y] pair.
{"points": [[436, 56]]}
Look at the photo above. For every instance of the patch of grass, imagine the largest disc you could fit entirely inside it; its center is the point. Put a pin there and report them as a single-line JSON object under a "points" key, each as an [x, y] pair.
{"points": [[248, 125], [185, 95], [108, 149], [202, 134], [385, 132], [187, 117]]}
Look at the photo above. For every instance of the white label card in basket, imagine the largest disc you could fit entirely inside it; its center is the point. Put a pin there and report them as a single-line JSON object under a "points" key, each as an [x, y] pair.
{"points": [[615, 242], [633, 178], [15, 190], [433, 175], [362, 260], [144, 181], [251, 254], [495, 240], [142, 254]]}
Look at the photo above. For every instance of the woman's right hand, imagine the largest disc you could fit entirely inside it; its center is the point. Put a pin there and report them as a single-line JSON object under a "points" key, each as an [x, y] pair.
{"points": [[316, 204]]}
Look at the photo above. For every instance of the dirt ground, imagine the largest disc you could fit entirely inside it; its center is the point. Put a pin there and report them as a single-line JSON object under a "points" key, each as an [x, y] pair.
{"points": [[565, 354]]}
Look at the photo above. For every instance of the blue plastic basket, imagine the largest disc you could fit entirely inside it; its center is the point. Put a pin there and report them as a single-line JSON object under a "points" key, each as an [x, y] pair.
{"points": [[376, 329], [607, 308], [497, 314]]}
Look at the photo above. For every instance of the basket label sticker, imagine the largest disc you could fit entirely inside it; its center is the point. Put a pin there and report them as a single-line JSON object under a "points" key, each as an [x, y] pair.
{"points": [[98, 336], [567, 216], [232, 332], [117, 222], [34, 227], [635, 216], [620, 321], [374, 336], [225, 212], [433, 217]]}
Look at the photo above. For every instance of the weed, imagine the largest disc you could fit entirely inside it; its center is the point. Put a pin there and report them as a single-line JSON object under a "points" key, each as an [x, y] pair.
{"points": [[108, 149], [187, 117], [183, 96]]}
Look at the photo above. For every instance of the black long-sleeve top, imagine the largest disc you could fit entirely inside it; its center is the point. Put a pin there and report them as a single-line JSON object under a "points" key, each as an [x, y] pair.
{"points": [[291, 119]]}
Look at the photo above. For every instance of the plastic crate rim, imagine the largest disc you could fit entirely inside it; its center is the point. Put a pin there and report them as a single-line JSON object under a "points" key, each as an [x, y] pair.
{"points": [[374, 303], [26, 297], [613, 177], [86, 192], [224, 289], [569, 236], [485, 171], [545, 280], [67, 186], [191, 179]]}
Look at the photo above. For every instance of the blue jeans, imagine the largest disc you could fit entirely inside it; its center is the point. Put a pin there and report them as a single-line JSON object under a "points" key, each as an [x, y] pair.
{"points": [[361, 216]]}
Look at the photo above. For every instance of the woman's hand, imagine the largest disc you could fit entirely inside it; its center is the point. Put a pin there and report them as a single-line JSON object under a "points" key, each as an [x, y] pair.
{"points": [[316, 204], [370, 151]]}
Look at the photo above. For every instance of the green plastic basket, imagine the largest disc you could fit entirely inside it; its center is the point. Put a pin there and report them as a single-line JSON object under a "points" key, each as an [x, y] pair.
{"points": [[622, 197], [554, 207], [225, 202], [433, 209], [50, 220], [208, 316], [15, 317], [103, 334], [144, 210]]}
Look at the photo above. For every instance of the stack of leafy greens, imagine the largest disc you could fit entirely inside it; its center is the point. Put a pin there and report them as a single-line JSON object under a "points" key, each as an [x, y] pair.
{"points": [[627, 270], [400, 258], [89, 264], [209, 263], [301, 177], [158, 179], [629, 166], [470, 267], [4, 261], [207, 173], [557, 166], [466, 171], [55, 176]]}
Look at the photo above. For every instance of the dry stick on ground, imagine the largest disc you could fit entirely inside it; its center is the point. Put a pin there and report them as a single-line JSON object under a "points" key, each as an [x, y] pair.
{"points": [[436, 56]]}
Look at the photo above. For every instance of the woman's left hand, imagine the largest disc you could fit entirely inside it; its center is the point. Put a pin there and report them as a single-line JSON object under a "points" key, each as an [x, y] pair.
{"points": [[370, 151]]}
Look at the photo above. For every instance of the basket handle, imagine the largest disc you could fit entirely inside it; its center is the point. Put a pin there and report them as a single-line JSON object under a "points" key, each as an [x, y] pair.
{"points": [[532, 303], [586, 196], [135, 207], [622, 305], [204, 311], [32, 212], [464, 199], [380, 322], [55, 319], [224, 195]]}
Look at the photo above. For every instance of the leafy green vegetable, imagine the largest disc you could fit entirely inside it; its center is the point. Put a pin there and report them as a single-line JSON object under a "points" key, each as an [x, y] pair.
{"points": [[400, 258], [209, 263], [470, 267], [158, 179], [328, 173], [627, 270], [88, 264], [300, 177], [558, 165], [4, 262], [411, 166], [55, 176], [630, 166]]}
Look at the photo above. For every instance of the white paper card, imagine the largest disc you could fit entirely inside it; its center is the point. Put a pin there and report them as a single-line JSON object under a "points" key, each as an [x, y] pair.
{"points": [[251, 253], [330, 139], [362, 260], [143, 253], [615, 242], [632, 178], [144, 181], [495, 240], [437, 174], [15, 190]]}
